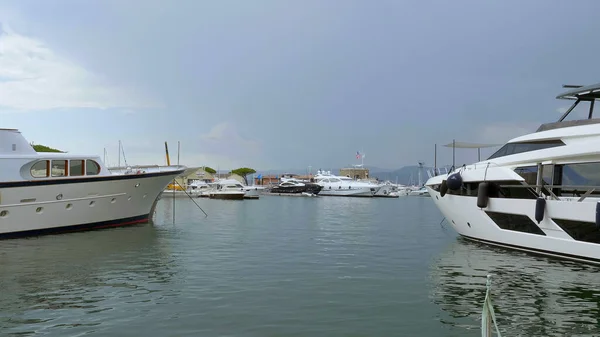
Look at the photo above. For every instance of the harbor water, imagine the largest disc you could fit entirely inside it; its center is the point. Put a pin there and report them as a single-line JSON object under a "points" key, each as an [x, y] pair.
{"points": [[280, 266]]}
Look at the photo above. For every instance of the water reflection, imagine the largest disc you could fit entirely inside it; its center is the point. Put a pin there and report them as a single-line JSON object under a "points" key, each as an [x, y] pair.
{"points": [[52, 282], [532, 296]]}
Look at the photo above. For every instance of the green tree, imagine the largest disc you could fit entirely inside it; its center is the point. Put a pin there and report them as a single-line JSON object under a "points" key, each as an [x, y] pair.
{"points": [[44, 148], [243, 172], [210, 170]]}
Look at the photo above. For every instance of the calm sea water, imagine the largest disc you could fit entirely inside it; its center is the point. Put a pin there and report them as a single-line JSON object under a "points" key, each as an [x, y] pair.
{"points": [[283, 266]]}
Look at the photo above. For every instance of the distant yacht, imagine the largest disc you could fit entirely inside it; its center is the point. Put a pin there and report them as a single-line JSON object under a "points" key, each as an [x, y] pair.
{"points": [[293, 186], [333, 185]]}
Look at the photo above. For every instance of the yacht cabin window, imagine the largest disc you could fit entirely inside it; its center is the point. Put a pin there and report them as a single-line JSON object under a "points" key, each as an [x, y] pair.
{"points": [[514, 148], [59, 168], [581, 174], [91, 167], [76, 167], [40, 169], [63, 168]]}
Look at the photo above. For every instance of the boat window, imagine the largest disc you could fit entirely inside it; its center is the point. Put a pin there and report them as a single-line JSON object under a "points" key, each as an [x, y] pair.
{"points": [[514, 148], [40, 169], [59, 168], [529, 173], [334, 180], [76, 167], [91, 167], [582, 174]]}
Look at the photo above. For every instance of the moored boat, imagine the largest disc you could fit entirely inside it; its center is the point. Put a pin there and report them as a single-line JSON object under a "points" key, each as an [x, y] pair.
{"points": [[43, 193], [538, 193]]}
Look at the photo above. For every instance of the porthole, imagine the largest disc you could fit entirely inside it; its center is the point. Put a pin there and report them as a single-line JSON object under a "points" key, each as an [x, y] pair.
{"points": [[69, 206], [92, 203], [3, 214], [113, 200], [39, 209]]}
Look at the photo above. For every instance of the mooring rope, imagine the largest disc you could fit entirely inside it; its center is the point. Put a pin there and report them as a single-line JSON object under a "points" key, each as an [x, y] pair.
{"points": [[487, 313], [192, 199]]}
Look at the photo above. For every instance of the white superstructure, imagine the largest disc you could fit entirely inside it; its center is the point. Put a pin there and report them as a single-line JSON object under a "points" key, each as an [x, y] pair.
{"points": [[539, 192], [42, 193]]}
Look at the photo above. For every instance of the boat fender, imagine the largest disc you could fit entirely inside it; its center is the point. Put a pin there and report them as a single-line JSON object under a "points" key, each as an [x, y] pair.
{"points": [[598, 214], [540, 206], [482, 195], [443, 188], [454, 181]]}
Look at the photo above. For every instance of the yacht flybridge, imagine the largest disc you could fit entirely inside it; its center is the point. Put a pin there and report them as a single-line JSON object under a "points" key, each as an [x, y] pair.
{"points": [[539, 192], [43, 193]]}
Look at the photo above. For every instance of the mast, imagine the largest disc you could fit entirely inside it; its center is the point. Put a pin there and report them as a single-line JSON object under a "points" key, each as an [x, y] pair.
{"points": [[435, 160]]}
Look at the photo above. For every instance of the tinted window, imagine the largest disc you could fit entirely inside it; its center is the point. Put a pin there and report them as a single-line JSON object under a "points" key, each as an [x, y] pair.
{"points": [[515, 222], [40, 169], [529, 173], [514, 148], [584, 174]]}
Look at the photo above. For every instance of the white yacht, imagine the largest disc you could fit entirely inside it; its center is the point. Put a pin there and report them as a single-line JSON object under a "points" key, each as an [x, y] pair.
{"points": [[228, 189], [252, 191], [344, 186], [540, 192], [43, 193]]}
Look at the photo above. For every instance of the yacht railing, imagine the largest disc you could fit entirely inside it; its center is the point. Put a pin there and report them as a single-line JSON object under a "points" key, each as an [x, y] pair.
{"points": [[588, 190]]}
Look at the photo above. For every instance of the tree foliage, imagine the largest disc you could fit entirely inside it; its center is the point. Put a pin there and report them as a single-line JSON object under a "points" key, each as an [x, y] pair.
{"points": [[243, 172], [44, 148], [210, 170]]}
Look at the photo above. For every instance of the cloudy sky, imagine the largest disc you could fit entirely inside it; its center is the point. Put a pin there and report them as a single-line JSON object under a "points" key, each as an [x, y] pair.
{"points": [[287, 84]]}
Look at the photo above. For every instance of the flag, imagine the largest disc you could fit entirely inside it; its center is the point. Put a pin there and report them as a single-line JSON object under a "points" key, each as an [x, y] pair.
{"points": [[357, 155]]}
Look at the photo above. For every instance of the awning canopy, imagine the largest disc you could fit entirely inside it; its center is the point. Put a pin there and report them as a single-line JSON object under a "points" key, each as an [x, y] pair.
{"points": [[464, 145], [586, 93]]}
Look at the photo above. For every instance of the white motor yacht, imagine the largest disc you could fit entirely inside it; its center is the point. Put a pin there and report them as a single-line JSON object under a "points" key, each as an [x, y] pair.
{"points": [[344, 186], [43, 193], [227, 189], [540, 192]]}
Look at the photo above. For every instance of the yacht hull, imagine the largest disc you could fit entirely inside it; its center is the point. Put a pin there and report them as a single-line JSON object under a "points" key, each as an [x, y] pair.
{"points": [[504, 220], [64, 205], [347, 192], [227, 196], [306, 188]]}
